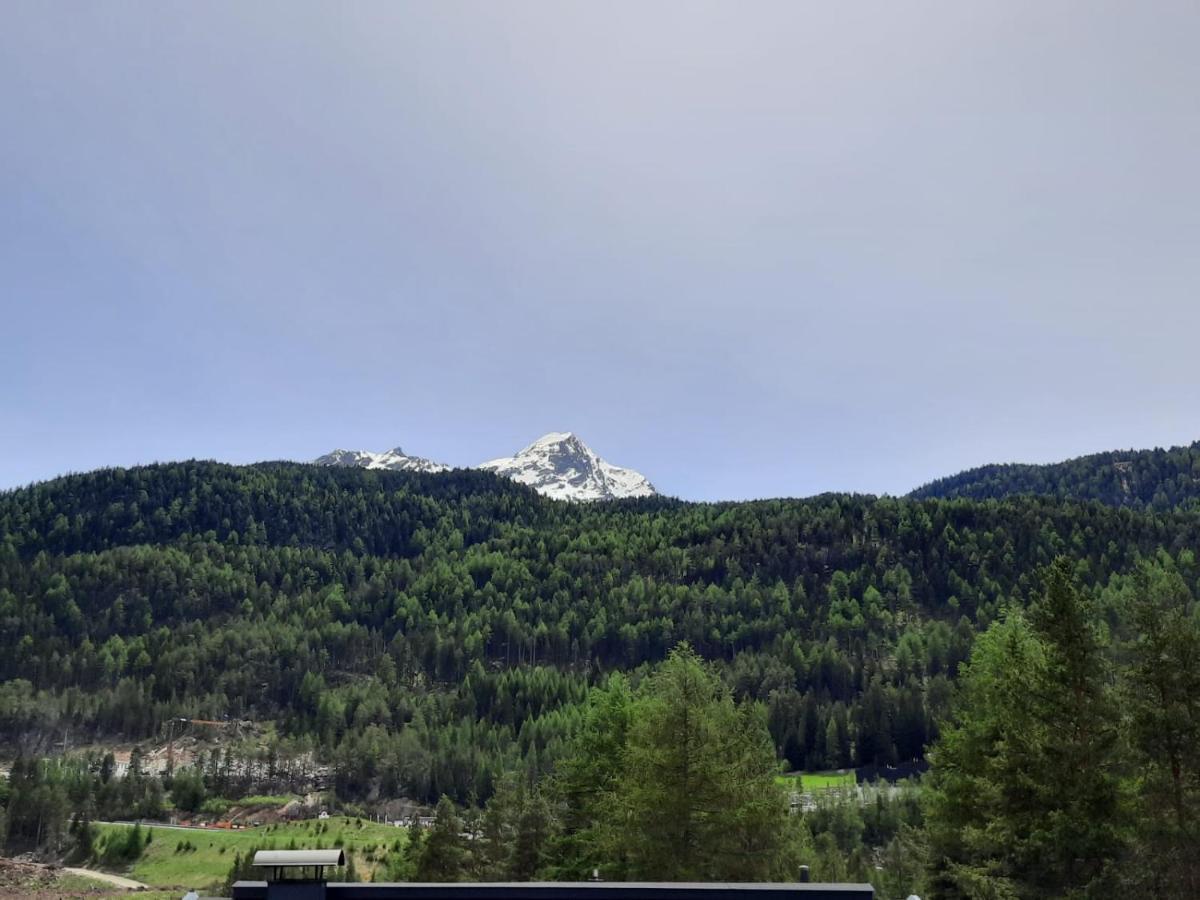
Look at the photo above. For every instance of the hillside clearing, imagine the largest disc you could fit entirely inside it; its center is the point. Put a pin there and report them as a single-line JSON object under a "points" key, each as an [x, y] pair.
{"points": [[807, 782], [202, 857]]}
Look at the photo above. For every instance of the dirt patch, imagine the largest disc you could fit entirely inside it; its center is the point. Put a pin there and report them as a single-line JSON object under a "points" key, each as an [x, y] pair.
{"points": [[25, 876], [41, 882]]}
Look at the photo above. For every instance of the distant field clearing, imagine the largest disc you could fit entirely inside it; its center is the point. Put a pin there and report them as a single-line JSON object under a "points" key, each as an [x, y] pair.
{"points": [[807, 782], [201, 857]]}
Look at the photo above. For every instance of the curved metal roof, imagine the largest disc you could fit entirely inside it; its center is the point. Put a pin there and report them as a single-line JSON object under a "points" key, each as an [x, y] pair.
{"points": [[281, 859]]}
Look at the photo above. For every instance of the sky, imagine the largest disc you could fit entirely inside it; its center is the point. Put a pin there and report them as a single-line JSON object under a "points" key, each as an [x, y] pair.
{"points": [[749, 249]]}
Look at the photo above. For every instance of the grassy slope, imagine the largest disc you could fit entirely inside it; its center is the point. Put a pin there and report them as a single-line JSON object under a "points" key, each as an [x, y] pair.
{"points": [[816, 781], [162, 865]]}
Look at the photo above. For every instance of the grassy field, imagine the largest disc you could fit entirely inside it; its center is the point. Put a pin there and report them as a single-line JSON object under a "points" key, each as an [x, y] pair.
{"points": [[816, 781], [207, 854]]}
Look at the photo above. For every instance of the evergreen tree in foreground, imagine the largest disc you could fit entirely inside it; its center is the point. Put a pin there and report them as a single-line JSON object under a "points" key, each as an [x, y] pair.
{"points": [[694, 797], [1162, 694], [445, 854], [1024, 799]]}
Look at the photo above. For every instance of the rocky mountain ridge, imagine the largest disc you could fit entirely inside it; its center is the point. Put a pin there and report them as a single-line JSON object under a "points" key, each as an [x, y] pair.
{"points": [[558, 465]]}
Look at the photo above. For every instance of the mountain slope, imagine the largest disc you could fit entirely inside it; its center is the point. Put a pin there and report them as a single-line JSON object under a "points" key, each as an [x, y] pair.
{"points": [[457, 619], [395, 459], [561, 466], [557, 465], [1158, 479]]}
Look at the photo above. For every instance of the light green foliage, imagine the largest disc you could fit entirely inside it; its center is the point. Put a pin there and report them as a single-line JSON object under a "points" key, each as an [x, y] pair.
{"points": [[209, 853], [587, 779], [1025, 798], [425, 634], [120, 848], [691, 794], [979, 759], [673, 782], [430, 635], [817, 781]]}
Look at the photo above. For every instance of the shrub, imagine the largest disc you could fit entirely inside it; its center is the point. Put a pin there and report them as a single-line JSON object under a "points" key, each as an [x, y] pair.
{"points": [[122, 849]]}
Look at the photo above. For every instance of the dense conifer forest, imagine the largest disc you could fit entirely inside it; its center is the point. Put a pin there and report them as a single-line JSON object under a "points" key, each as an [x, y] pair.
{"points": [[1155, 479], [435, 636]]}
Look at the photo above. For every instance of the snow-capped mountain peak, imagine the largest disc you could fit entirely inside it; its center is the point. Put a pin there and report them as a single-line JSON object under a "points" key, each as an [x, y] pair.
{"points": [[561, 466], [558, 465], [395, 459], [560, 441]]}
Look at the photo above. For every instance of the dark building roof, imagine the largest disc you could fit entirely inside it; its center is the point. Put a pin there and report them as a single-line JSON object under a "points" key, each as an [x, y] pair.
{"points": [[585, 890]]}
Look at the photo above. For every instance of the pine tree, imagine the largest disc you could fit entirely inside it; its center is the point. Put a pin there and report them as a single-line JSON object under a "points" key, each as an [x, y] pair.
{"points": [[445, 854], [1163, 696], [497, 828], [532, 837], [1078, 813], [1024, 798], [585, 785], [697, 799]]}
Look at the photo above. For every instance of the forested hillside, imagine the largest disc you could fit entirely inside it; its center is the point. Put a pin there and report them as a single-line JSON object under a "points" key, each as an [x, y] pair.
{"points": [[425, 633], [1142, 479]]}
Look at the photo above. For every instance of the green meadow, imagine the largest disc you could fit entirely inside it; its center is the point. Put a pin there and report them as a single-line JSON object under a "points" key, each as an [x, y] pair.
{"points": [[816, 781], [201, 858]]}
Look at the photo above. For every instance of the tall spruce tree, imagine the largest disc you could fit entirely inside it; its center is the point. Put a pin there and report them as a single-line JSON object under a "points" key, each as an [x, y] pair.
{"points": [[445, 852], [585, 785], [1024, 799], [697, 799], [1163, 698], [1077, 811]]}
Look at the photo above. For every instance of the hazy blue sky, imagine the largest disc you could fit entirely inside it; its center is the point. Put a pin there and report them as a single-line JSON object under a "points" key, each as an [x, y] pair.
{"points": [[751, 249]]}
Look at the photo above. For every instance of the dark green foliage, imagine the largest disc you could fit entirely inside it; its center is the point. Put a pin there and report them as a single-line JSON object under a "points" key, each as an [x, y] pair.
{"points": [[1163, 697], [675, 783], [188, 790], [696, 798], [1029, 793], [243, 869], [1081, 761], [1070, 767], [445, 851], [1158, 479], [39, 801], [671, 781], [427, 633], [42, 795], [587, 778], [83, 839], [513, 833], [122, 848], [435, 635]]}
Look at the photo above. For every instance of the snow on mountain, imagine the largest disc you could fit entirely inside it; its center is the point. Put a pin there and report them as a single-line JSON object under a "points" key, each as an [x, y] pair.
{"points": [[557, 465], [395, 459], [561, 466]]}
